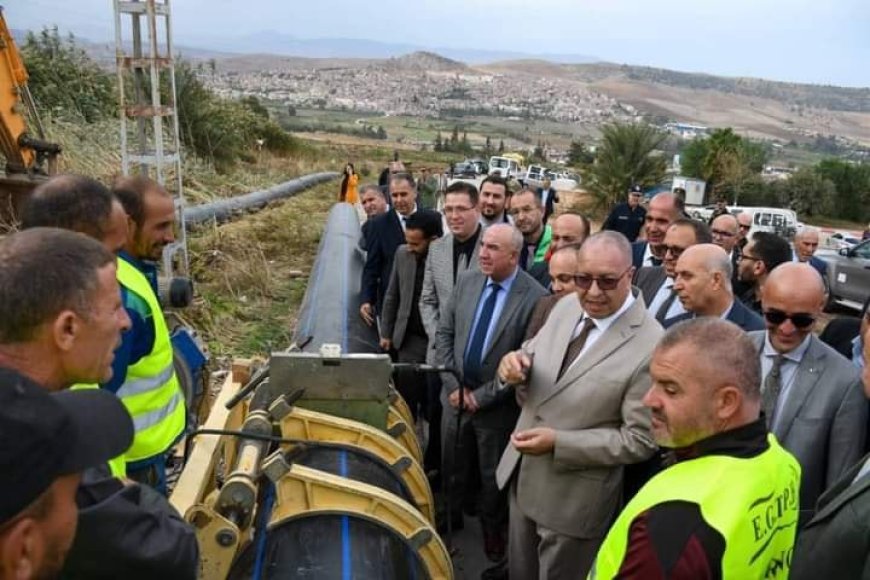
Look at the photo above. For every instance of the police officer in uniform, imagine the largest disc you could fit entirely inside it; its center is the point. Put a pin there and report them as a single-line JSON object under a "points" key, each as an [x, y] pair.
{"points": [[627, 217], [727, 507]]}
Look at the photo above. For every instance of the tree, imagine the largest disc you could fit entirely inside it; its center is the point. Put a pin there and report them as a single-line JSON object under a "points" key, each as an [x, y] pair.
{"points": [[625, 157], [487, 148], [808, 192], [500, 146], [381, 132], [291, 110], [579, 155], [438, 146], [852, 183], [253, 103], [724, 160]]}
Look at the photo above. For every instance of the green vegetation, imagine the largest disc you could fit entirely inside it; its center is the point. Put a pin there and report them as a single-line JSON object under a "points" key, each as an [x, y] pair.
{"points": [[724, 160], [625, 157]]}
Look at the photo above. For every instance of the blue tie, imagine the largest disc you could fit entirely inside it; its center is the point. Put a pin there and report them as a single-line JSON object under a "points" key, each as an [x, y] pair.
{"points": [[471, 369]]}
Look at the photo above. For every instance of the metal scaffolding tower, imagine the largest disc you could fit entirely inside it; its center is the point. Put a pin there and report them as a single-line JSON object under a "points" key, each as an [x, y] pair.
{"points": [[150, 143]]}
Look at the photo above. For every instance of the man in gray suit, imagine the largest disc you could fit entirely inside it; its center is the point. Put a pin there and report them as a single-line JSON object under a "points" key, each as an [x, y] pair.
{"points": [[448, 257], [657, 282], [811, 395], [485, 319], [584, 375], [402, 326], [836, 542]]}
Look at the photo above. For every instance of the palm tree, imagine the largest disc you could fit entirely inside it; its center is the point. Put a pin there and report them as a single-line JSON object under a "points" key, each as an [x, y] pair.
{"points": [[624, 158]]}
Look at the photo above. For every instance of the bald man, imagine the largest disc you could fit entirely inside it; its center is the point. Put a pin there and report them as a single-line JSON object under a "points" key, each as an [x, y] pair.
{"points": [[563, 266], [664, 209], [811, 396], [703, 286]]}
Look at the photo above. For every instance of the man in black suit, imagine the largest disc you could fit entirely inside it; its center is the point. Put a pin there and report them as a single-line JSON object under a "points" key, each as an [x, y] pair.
{"points": [[836, 542], [402, 326], [374, 203], [764, 252], [485, 319], [549, 197], [844, 335], [703, 285], [805, 244], [664, 209], [386, 233]]}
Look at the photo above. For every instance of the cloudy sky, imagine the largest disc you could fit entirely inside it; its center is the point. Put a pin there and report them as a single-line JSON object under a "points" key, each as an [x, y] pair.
{"points": [[819, 41]]}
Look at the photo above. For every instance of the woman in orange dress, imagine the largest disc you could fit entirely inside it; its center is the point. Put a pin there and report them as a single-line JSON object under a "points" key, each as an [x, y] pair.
{"points": [[348, 185]]}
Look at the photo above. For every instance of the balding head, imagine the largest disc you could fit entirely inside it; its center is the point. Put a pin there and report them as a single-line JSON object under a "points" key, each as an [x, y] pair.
{"points": [[664, 209], [562, 267], [713, 367], [703, 280], [725, 230], [500, 251], [569, 228], [796, 290], [806, 242]]}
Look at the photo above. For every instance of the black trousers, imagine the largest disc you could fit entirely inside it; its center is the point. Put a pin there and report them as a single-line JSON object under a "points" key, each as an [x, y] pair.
{"points": [[412, 385]]}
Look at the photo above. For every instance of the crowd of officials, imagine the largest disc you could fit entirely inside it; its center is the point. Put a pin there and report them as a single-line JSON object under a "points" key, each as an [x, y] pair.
{"points": [[647, 401], [656, 409]]}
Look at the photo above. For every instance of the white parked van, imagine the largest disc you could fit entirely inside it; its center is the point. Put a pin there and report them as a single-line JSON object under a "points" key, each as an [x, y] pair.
{"points": [[504, 167], [777, 220]]}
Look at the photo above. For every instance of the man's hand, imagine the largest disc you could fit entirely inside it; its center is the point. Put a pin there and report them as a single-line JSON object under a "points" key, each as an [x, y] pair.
{"points": [[386, 344], [367, 313], [470, 405], [514, 367], [535, 441]]}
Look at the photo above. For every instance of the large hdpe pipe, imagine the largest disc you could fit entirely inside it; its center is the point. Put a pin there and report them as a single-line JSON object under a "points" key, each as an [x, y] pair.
{"points": [[330, 309], [222, 209]]}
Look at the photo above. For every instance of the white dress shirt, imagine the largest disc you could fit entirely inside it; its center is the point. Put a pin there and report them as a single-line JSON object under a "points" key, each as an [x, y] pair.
{"points": [[601, 326], [676, 307]]}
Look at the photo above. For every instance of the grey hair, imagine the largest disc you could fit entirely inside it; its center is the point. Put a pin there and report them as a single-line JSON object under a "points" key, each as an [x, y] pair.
{"points": [[729, 355], [371, 187]]}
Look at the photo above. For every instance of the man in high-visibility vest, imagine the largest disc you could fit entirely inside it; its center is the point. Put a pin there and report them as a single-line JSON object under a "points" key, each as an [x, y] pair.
{"points": [[727, 507], [61, 319], [150, 388]]}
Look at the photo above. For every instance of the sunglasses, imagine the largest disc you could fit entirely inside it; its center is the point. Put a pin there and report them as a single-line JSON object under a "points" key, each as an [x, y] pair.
{"points": [[721, 234], [675, 251], [584, 281], [800, 320]]}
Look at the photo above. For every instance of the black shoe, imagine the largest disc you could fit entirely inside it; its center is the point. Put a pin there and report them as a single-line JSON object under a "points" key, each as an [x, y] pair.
{"points": [[497, 572]]}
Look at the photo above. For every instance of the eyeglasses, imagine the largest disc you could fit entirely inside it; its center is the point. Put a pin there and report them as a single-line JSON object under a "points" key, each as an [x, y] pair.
{"points": [[675, 251], [721, 233], [800, 320], [752, 258], [742, 227], [448, 210], [584, 281]]}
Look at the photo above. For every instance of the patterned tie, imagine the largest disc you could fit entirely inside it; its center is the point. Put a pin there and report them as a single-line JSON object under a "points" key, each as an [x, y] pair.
{"points": [[666, 305], [472, 363], [575, 347], [772, 388]]}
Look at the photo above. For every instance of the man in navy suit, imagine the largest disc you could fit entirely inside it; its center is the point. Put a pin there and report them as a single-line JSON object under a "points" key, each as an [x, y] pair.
{"points": [[384, 236], [703, 285], [664, 209], [806, 242], [549, 197]]}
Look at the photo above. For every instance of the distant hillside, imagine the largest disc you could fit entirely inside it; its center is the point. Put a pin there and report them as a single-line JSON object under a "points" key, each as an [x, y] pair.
{"points": [[423, 61], [817, 96]]}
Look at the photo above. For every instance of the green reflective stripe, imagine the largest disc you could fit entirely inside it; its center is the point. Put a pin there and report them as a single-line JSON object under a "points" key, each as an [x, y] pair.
{"points": [[146, 384], [142, 422]]}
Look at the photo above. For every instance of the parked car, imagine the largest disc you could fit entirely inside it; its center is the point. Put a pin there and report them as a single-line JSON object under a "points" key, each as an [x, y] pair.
{"points": [[480, 166], [842, 241], [849, 275], [505, 167], [464, 169]]}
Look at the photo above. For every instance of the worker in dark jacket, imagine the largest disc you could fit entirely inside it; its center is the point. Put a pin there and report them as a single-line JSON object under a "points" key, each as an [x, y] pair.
{"points": [[61, 317], [627, 218]]}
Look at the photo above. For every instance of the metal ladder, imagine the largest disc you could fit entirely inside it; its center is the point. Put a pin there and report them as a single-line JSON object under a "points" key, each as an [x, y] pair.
{"points": [[151, 146]]}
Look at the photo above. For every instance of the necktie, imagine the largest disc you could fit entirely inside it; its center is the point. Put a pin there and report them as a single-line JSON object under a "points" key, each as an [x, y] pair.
{"points": [[655, 261], [575, 347], [772, 388], [666, 305], [471, 367]]}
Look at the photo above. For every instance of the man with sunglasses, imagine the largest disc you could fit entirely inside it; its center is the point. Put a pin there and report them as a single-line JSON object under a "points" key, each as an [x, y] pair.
{"points": [[764, 252], [584, 375], [811, 396], [657, 283]]}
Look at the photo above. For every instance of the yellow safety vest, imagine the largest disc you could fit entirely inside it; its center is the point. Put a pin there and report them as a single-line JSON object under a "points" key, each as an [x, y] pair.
{"points": [[752, 502], [117, 465], [151, 391]]}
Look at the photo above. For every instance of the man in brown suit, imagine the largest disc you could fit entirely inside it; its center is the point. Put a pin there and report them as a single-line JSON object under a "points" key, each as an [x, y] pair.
{"points": [[585, 374]]}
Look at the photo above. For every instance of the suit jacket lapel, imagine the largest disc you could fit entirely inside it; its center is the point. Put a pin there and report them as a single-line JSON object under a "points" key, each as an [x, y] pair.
{"points": [[614, 337], [806, 376], [514, 299], [843, 491]]}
